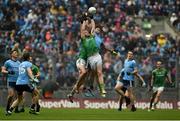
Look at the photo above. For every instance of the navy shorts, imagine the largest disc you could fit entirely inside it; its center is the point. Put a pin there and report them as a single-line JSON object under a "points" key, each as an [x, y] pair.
{"points": [[11, 85], [127, 83], [21, 88]]}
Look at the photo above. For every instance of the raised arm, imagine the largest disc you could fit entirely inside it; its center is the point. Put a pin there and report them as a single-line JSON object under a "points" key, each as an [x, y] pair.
{"points": [[93, 27], [82, 29]]}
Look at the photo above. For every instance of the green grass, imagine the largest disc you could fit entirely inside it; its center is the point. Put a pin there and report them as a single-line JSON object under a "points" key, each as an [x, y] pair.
{"points": [[93, 114]]}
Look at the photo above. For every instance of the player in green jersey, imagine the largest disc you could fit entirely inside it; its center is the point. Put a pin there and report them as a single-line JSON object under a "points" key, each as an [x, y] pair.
{"points": [[86, 29], [35, 84], [95, 61], [159, 76]]}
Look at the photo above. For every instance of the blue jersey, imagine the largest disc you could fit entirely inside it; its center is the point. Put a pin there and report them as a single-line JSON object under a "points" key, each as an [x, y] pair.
{"points": [[12, 65], [98, 40], [23, 77], [129, 66]]}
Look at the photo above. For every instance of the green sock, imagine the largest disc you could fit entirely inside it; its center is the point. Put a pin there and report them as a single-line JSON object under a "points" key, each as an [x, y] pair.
{"points": [[101, 86]]}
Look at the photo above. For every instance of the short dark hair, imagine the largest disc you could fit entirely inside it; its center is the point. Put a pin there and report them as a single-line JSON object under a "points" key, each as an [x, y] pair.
{"points": [[13, 51], [26, 56]]}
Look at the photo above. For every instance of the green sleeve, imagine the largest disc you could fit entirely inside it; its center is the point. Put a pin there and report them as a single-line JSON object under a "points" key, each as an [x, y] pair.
{"points": [[153, 72]]}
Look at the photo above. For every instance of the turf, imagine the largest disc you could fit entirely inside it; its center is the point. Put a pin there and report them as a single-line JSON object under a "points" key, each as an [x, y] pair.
{"points": [[93, 114]]}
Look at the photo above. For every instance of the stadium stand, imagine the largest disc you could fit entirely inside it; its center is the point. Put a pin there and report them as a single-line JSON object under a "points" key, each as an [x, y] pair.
{"points": [[50, 29]]}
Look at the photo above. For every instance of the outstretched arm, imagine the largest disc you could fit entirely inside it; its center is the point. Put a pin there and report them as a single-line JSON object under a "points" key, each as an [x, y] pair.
{"points": [[141, 78], [93, 27], [168, 78], [82, 29], [108, 49]]}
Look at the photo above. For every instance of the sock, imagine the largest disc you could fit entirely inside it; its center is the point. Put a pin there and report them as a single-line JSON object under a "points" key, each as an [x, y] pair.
{"points": [[9, 103], [121, 102], [128, 101], [11, 109], [155, 104], [32, 106], [151, 103], [37, 107], [16, 108], [133, 106], [101, 86]]}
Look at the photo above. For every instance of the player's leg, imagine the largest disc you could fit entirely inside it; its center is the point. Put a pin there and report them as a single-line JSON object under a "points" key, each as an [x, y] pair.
{"points": [[92, 79], [97, 66], [82, 75], [11, 95], [22, 104], [118, 89], [152, 99], [17, 101], [37, 102], [81, 65], [127, 98], [121, 99], [157, 98], [132, 98], [89, 83], [35, 97], [10, 98]]}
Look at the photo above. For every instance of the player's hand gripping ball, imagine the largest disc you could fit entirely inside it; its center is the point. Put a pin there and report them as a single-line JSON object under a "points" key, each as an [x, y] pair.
{"points": [[92, 10]]}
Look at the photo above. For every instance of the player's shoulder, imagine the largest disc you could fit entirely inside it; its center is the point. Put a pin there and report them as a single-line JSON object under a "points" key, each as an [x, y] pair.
{"points": [[8, 61], [164, 69], [18, 61], [26, 63], [154, 70], [133, 61], [34, 66]]}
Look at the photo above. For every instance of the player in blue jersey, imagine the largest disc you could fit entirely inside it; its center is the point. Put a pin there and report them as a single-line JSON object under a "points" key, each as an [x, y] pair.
{"points": [[11, 69], [125, 81], [24, 83]]}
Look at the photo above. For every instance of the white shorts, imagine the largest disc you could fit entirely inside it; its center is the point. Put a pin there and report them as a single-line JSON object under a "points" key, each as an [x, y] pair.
{"points": [[80, 62], [155, 89], [94, 61]]}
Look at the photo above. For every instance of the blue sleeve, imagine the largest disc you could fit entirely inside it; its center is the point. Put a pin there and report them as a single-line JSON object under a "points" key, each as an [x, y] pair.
{"points": [[98, 40], [29, 65], [134, 64], [6, 64]]}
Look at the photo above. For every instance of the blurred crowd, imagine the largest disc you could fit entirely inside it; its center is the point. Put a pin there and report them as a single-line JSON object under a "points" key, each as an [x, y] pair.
{"points": [[50, 29]]}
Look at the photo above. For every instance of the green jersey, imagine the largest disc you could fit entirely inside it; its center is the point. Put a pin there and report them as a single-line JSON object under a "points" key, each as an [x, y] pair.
{"points": [[82, 52], [159, 77], [35, 69], [89, 44]]}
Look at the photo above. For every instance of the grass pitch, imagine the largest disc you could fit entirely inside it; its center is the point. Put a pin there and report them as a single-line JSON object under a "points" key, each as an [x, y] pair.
{"points": [[93, 114]]}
